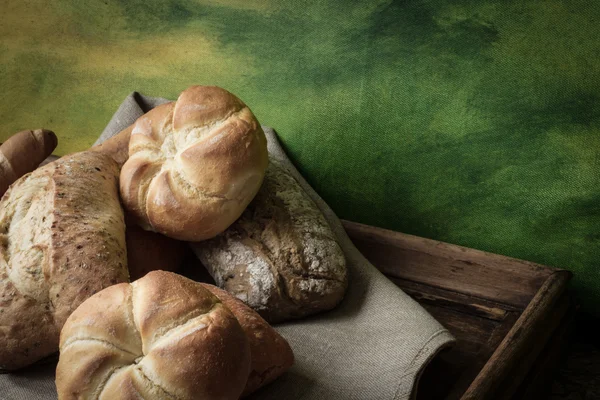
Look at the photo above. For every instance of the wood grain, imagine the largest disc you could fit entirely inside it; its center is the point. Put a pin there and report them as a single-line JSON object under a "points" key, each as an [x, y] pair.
{"points": [[502, 311], [523, 343], [536, 383], [460, 269]]}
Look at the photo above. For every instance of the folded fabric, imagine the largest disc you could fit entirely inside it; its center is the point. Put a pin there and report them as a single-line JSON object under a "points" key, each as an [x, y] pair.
{"points": [[373, 346]]}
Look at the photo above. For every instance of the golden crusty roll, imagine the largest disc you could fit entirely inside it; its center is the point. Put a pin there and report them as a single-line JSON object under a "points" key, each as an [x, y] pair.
{"points": [[194, 164], [271, 353], [146, 250], [161, 337], [62, 239], [22, 153]]}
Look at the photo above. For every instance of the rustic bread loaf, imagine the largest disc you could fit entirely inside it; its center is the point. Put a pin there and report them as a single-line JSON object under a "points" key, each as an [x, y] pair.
{"points": [[194, 164], [22, 153], [280, 257], [146, 250], [161, 337], [271, 353], [62, 238], [150, 251], [117, 146]]}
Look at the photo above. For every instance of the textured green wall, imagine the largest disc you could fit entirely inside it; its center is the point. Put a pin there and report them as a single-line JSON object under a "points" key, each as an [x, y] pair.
{"points": [[471, 122]]}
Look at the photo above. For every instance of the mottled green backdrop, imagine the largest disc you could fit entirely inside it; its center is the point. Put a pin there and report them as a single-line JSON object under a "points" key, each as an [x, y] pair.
{"points": [[473, 122]]}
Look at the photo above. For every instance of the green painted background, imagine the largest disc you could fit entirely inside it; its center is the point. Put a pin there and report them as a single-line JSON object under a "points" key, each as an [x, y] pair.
{"points": [[472, 122]]}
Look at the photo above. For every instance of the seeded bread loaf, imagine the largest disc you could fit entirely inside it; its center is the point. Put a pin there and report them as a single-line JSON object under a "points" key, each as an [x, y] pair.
{"points": [[62, 238], [280, 257]]}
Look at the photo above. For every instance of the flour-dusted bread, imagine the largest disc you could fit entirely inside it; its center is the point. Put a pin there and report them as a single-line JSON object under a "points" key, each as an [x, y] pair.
{"points": [[161, 337], [194, 164], [62, 239], [280, 257]]}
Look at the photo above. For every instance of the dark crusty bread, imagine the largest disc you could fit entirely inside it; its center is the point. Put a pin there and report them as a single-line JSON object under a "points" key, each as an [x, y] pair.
{"points": [[280, 257], [62, 239], [271, 355], [22, 153], [150, 251]]}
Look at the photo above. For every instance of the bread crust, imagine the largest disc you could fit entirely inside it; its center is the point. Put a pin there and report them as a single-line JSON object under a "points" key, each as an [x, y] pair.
{"points": [[150, 251], [271, 353], [117, 146], [280, 257], [194, 165], [22, 153], [162, 336], [62, 239]]}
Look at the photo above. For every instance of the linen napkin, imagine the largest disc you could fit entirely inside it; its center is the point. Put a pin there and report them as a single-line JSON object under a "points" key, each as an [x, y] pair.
{"points": [[373, 346]]}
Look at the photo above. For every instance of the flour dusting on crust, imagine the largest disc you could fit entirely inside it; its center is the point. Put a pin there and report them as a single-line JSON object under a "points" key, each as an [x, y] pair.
{"points": [[280, 256]]}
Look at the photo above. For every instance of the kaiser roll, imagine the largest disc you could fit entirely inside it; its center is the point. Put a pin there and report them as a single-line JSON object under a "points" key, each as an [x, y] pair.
{"points": [[161, 337], [194, 164]]}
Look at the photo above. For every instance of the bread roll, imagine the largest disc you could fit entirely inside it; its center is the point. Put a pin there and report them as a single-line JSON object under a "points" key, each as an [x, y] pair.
{"points": [[160, 337], [194, 165], [271, 353], [62, 239], [22, 153], [146, 250], [280, 257]]}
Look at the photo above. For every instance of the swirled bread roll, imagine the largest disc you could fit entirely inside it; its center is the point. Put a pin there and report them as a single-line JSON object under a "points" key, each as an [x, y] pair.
{"points": [[62, 239], [194, 164], [280, 257], [164, 336]]}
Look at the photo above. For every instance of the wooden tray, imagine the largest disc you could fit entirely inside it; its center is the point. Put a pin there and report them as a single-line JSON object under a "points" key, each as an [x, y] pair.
{"points": [[510, 317]]}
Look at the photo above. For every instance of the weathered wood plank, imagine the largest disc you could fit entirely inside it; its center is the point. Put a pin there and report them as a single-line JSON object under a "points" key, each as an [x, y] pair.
{"points": [[460, 269], [439, 297], [523, 343], [501, 310], [536, 383]]}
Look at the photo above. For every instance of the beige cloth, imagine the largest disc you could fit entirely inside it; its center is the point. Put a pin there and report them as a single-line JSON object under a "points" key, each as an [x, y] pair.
{"points": [[373, 346]]}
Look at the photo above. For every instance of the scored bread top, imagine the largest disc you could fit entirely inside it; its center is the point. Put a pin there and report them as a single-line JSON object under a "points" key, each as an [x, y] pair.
{"points": [[62, 239], [162, 336], [280, 257], [194, 164]]}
